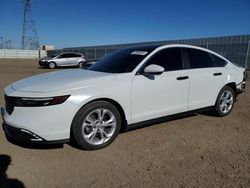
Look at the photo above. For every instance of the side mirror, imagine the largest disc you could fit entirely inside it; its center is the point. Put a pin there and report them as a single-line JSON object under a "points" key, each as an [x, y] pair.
{"points": [[153, 69]]}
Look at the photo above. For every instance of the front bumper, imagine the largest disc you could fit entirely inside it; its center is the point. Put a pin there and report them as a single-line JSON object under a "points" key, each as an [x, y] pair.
{"points": [[43, 63], [25, 136], [241, 87]]}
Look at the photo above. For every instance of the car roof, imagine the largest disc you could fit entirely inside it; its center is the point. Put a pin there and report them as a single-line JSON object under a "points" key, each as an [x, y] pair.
{"points": [[192, 47], [155, 46], [70, 53], [151, 48], [143, 47]]}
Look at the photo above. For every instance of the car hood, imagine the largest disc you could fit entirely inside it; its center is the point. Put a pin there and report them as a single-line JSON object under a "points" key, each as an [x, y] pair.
{"points": [[62, 81]]}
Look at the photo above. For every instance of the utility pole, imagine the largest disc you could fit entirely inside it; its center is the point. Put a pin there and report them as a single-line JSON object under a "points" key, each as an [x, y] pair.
{"points": [[247, 53], [30, 38], [1, 44], [8, 44]]}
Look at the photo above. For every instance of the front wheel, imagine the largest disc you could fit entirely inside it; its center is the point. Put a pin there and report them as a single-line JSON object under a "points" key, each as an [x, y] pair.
{"points": [[52, 65], [96, 125], [225, 101]]}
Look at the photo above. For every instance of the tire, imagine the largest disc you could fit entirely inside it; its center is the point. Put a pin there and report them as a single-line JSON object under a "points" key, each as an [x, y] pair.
{"points": [[52, 65], [225, 101], [80, 64], [90, 129]]}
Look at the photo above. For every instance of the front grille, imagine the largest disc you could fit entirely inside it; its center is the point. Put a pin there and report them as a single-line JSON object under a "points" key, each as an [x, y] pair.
{"points": [[42, 63], [10, 103]]}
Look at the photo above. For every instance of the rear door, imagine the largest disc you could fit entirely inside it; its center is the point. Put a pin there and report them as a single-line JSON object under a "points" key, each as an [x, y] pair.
{"points": [[71, 59], [207, 77], [155, 96], [75, 58]]}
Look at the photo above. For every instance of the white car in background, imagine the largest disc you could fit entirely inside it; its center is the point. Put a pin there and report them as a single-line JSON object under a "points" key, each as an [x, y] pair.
{"points": [[128, 87], [64, 59]]}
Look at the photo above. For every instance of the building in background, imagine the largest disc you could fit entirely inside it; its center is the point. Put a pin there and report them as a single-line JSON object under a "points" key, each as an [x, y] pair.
{"points": [[47, 47], [235, 48]]}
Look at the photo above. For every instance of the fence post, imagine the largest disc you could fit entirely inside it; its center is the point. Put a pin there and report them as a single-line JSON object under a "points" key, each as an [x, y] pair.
{"points": [[247, 54]]}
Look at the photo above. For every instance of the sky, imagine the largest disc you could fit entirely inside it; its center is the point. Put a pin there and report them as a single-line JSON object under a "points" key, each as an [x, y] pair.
{"points": [[73, 23]]}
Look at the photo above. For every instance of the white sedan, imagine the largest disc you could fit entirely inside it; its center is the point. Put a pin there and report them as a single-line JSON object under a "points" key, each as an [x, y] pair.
{"points": [[130, 86]]}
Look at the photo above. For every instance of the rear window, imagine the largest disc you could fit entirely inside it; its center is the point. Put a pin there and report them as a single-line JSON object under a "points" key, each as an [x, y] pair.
{"points": [[199, 59], [218, 62], [203, 59], [76, 55], [70, 55]]}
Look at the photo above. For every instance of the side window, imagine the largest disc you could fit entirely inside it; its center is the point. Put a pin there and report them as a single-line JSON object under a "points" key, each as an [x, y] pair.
{"points": [[70, 55], [199, 59], [74, 55], [78, 55], [170, 59], [64, 55], [218, 62]]}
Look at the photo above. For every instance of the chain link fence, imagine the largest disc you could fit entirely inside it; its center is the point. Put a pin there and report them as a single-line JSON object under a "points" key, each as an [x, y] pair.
{"points": [[235, 48]]}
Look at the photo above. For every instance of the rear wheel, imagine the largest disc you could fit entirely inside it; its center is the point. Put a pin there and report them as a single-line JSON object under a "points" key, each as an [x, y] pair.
{"points": [[80, 64], [52, 65], [96, 125], [225, 101]]}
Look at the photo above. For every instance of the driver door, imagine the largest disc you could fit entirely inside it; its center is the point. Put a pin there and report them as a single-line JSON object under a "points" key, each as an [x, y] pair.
{"points": [[60, 60], [155, 96]]}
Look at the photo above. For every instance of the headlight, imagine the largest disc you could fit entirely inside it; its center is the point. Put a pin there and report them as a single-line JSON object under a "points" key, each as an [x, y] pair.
{"points": [[26, 101]]}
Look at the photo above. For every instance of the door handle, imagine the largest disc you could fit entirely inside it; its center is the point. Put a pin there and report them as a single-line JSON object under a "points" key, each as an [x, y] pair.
{"points": [[182, 77], [217, 74]]}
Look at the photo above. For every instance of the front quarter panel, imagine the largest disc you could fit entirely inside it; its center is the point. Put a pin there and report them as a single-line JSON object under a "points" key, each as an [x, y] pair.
{"points": [[117, 90], [54, 122]]}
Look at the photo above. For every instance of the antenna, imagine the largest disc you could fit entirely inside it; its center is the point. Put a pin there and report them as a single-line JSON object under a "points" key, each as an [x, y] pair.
{"points": [[30, 38]]}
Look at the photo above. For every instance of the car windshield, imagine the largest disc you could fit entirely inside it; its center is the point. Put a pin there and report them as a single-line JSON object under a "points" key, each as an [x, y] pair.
{"points": [[122, 61]]}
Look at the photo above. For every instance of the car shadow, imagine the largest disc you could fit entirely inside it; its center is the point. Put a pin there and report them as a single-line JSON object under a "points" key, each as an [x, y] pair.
{"points": [[157, 121], [133, 127], [5, 181], [143, 125], [74, 145], [58, 68], [208, 113]]}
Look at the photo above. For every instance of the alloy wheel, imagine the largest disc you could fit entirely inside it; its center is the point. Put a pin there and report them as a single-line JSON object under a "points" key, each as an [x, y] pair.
{"points": [[226, 101], [99, 126]]}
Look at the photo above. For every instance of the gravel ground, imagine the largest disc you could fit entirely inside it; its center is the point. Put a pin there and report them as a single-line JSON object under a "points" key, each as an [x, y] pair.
{"points": [[194, 151]]}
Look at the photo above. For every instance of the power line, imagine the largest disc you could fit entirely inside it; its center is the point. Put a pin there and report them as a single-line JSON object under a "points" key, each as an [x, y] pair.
{"points": [[30, 38]]}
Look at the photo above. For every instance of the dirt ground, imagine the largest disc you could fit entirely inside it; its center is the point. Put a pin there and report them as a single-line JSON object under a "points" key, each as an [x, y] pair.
{"points": [[195, 151]]}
